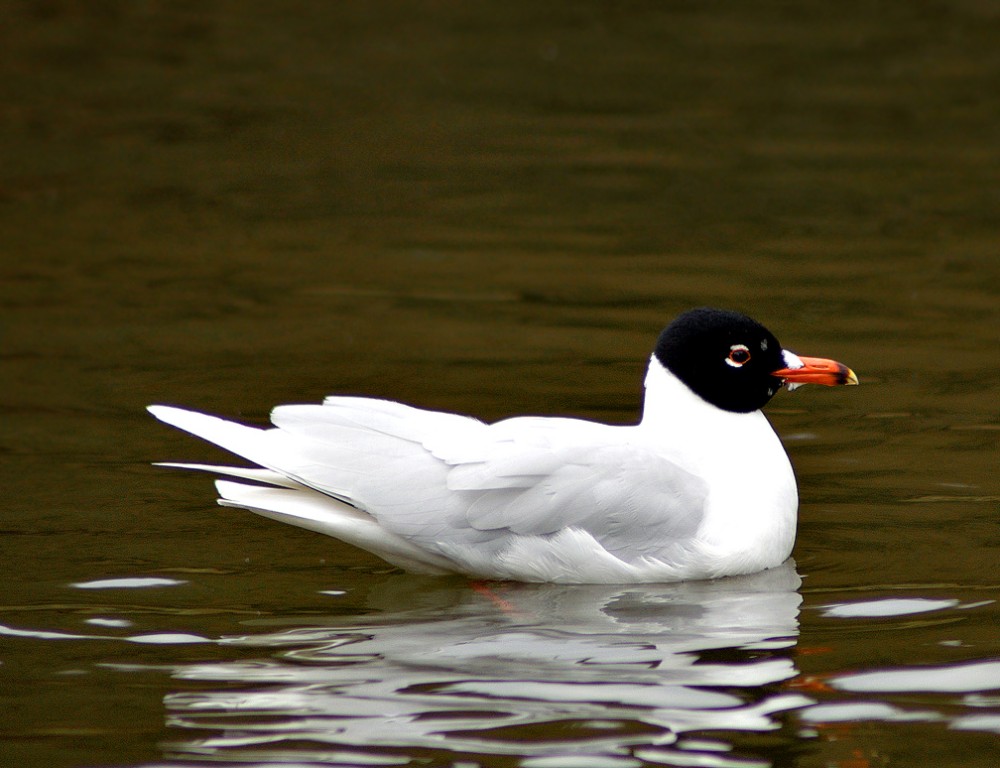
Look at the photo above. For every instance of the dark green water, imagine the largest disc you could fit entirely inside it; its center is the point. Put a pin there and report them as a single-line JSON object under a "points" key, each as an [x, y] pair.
{"points": [[493, 209]]}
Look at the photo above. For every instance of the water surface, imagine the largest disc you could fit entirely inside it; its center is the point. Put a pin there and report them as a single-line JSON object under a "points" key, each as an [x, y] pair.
{"points": [[492, 210]]}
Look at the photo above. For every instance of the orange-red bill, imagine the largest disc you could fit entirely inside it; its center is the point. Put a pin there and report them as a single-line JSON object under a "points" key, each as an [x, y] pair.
{"points": [[818, 370]]}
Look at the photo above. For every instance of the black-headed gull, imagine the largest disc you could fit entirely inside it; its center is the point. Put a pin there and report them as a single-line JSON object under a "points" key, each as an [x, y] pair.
{"points": [[700, 488]]}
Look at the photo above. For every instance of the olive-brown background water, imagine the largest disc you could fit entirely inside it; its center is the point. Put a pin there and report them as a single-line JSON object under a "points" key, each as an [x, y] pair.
{"points": [[493, 209]]}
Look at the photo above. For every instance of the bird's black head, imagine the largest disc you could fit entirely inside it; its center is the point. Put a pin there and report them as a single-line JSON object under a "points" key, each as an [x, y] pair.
{"points": [[724, 357]]}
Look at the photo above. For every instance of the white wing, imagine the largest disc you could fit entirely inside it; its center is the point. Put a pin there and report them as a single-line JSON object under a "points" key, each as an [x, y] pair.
{"points": [[462, 490], [438, 477]]}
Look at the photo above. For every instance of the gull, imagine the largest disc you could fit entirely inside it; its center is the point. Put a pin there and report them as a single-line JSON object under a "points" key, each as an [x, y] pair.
{"points": [[699, 488]]}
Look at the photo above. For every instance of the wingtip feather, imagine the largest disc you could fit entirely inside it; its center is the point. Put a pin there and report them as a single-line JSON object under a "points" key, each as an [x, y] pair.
{"points": [[170, 414]]}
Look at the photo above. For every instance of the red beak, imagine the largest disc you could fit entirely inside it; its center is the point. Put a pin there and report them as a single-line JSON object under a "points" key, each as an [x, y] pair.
{"points": [[818, 370]]}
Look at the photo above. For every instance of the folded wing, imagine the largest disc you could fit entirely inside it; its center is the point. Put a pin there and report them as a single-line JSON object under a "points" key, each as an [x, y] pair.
{"points": [[459, 493]]}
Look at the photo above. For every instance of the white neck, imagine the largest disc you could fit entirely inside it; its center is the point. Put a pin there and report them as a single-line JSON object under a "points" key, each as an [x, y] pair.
{"points": [[670, 404], [707, 433]]}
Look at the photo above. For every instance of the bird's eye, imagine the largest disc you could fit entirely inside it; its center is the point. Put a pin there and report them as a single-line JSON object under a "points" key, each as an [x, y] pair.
{"points": [[738, 356]]}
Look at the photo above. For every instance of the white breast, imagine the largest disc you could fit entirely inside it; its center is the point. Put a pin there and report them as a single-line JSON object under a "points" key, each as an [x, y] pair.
{"points": [[750, 514]]}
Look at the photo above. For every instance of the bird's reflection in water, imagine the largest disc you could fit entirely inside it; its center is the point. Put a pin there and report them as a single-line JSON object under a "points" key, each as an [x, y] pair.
{"points": [[504, 669]]}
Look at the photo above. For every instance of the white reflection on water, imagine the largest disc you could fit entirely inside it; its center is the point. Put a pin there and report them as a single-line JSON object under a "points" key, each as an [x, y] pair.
{"points": [[954, 678], [509, 669], [889, 607], [131, 582]]}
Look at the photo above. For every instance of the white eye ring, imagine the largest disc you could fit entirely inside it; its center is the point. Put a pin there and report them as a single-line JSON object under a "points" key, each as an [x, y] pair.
{"points": [[739, 355]]}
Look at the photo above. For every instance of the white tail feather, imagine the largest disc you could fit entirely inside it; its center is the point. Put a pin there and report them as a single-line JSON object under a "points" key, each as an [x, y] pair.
{"points": [[284, 498], [244, 473]]}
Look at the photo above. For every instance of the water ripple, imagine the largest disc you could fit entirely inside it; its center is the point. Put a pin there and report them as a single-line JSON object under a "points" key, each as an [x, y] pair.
{"points": [[538, 671]]}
